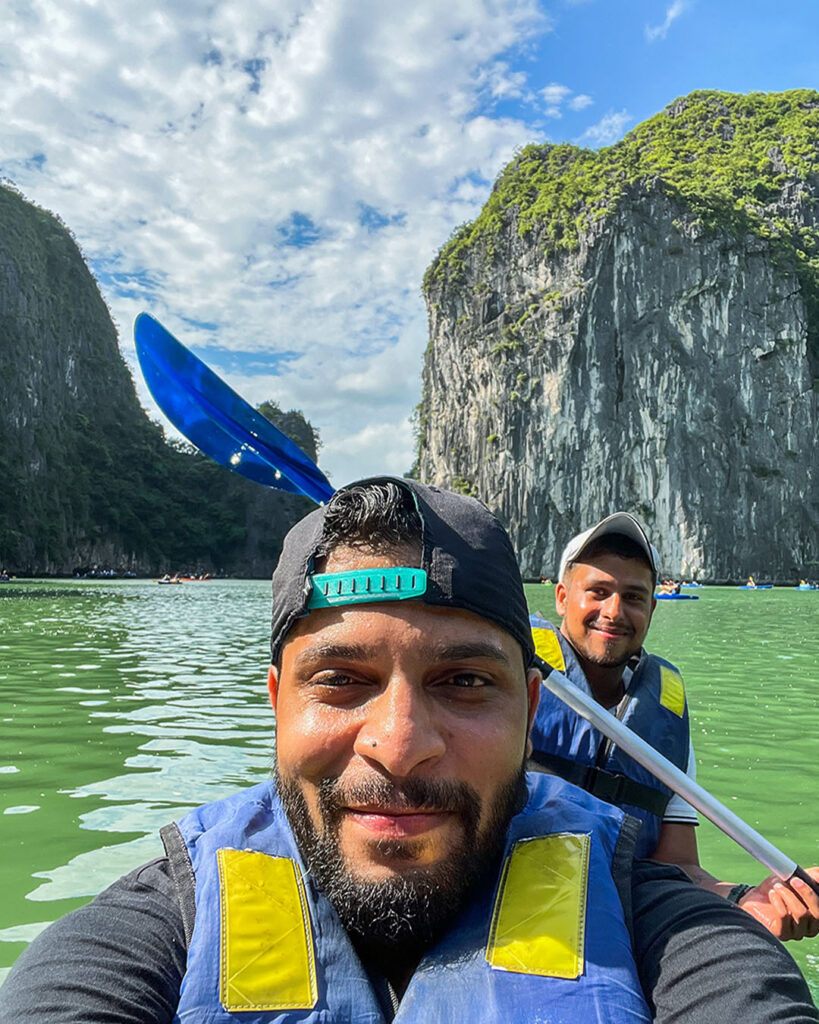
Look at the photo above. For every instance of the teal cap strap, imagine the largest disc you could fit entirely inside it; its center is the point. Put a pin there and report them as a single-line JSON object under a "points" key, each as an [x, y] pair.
{"points": [[359, 586]]}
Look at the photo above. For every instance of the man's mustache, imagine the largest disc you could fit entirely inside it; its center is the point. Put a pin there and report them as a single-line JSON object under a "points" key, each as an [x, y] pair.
{"points": [[441, 795]]}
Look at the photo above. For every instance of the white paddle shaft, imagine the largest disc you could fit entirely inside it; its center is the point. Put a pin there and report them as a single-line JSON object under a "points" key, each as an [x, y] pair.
{"points": [[635, 746]]}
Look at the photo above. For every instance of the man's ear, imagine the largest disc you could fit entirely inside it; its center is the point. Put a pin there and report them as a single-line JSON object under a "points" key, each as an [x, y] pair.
{"points": [[560, 598], [533, 683], [273, 684]]}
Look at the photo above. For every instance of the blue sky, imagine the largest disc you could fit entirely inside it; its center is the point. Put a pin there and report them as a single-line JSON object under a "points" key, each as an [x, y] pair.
{"points": [[270, 178]]}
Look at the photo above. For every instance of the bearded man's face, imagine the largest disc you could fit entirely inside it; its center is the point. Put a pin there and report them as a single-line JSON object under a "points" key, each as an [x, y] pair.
{"points": [[401, 737]]}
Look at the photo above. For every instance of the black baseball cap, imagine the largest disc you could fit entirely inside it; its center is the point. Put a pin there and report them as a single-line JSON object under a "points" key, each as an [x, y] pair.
{"points": [[467, 562]]}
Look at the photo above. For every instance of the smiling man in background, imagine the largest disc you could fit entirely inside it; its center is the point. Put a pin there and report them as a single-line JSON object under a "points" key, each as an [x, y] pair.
{"points": [[402, 865], [605, 596]]}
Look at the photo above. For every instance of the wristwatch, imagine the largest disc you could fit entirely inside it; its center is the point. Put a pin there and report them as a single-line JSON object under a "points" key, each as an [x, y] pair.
{"points": [[738, 891]]}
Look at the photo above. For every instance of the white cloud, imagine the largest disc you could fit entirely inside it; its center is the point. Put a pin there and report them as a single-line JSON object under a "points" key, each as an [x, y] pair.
{"points": [[673, 11], [607, 130], [503, 83], [555, 96], [580, 102], [270, 180]]}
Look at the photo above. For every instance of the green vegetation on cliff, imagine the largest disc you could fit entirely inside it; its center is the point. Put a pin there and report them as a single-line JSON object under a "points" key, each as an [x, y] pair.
{"points": [[748, 163]]}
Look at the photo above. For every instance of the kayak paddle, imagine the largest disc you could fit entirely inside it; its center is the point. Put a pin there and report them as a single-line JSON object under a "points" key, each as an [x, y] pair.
{"points": [[218, 421], [224, 426]]}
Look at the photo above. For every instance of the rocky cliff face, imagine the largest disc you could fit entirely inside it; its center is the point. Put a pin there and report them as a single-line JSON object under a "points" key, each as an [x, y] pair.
{"points": [[637, 329], [85, 477]]}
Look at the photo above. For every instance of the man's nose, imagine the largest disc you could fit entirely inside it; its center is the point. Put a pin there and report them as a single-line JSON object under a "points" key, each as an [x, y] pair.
{"points": [[400, 732], [613, 607]]}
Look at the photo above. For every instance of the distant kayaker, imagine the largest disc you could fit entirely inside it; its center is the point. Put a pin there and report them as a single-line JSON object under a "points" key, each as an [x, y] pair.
{"points": [[751, 583], [605, 596], [403, 866]]}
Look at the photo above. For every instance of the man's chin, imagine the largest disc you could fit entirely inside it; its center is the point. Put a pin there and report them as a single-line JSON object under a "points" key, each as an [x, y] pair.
{"points": [[611, 655], [610, 660], [396, 895]]}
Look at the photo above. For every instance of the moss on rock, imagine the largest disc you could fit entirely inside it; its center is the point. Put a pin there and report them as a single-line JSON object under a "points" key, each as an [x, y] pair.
{"points": [[734, 160]]}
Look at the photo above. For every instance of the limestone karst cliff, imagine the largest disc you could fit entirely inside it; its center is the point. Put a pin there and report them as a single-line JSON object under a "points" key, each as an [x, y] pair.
{"points": [[85, 477], [638, 328]]}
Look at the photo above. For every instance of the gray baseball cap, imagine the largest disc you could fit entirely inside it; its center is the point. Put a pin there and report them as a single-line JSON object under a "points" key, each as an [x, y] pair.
{"points": [[619, 522]]}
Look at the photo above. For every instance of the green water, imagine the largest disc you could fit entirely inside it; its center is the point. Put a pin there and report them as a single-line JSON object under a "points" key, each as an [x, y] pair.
{"points": [[123, 704]]}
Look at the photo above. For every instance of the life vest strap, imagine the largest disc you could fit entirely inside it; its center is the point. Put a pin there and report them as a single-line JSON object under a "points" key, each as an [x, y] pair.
{"points": [[612, 787], [184, 881]]}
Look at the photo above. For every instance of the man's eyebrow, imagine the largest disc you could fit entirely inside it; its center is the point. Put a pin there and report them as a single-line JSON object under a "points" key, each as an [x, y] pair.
{"points": [[333, 652], [643, 588], [464, 651], [471, 649], [597, 581]]}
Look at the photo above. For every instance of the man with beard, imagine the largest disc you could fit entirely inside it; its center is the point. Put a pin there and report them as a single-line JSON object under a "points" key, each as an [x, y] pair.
{"points": [[402, 866], [605, 595]]}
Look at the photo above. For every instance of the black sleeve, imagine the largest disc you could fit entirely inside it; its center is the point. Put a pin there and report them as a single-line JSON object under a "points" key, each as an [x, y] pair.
{"points": [[702, 959], [119, 960]]}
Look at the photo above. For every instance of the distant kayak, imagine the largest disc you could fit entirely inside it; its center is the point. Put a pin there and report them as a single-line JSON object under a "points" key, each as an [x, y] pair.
{"points": [[762, 586], [677, 597], [806, 586], [167, 583]]}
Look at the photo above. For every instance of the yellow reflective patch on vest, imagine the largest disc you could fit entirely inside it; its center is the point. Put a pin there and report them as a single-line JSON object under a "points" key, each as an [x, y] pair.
{"points": [[539, 920], [267, 956], [672, 690], [547, 647]]}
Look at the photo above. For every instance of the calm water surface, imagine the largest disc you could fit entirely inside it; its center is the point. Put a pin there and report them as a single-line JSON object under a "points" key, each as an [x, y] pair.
{"points": [[123, 704]]}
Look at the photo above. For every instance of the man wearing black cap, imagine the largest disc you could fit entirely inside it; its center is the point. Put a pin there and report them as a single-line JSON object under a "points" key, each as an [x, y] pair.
{"points": [[605, 596], [402, 865]]}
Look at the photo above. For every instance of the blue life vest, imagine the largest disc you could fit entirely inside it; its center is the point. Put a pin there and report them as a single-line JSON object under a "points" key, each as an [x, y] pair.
{"points": [[654, 707], [551, 944]]}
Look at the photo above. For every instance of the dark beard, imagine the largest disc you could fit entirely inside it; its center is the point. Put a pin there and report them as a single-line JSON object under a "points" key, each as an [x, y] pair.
{"points": [[604, 661], [404, 914]]}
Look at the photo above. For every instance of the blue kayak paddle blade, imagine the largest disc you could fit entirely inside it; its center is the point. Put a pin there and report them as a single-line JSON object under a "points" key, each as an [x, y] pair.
{"points": [[217, 420]]}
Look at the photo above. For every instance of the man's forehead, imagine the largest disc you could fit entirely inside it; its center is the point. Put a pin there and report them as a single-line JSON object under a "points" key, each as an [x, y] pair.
{"points": [[430, 633]]}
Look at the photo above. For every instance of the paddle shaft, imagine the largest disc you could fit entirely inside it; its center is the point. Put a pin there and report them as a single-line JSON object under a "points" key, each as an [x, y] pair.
{"points": [[635, 746]]}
